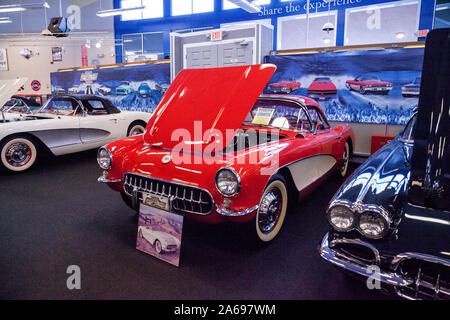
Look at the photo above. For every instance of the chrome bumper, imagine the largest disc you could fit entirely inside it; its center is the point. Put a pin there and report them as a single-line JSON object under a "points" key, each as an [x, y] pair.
{"points": [[102, 179], [386, 277], [230, 213]]}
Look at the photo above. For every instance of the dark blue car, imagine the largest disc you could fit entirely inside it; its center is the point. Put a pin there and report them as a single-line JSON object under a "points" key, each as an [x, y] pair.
{"points": [[390, 221]]}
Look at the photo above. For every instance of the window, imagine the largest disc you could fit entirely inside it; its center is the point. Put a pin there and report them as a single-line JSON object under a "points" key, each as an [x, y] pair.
{"points": [[143, 46], [181, 7], [292, 31], [442, 14], [408, 133], [396, 21], [153, 9], [229, 5], [94, 107], [316, 117]]}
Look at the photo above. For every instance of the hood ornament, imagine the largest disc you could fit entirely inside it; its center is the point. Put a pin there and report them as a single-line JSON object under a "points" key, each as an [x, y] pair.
{"points": [[166, 158]]}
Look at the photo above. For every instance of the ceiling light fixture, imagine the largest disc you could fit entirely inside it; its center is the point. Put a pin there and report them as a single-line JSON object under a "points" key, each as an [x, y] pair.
{"points": [[5, 20], [249, 6], [400, 35], [116, 12], [24, 6]]}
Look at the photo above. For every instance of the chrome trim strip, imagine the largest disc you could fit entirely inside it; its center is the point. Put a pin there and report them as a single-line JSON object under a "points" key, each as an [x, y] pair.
{"points": [[361, 243], [386, 277], [102, 179], [418, 256], [229, 213]]}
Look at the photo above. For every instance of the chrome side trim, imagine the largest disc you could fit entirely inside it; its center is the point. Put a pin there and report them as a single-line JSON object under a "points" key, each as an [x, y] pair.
{"points": [[102, 179], [389, 278], [229, 213]]}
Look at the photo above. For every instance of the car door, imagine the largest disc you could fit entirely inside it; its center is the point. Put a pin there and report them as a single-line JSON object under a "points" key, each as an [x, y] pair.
{"points": [[97, 126], [327, 138]]}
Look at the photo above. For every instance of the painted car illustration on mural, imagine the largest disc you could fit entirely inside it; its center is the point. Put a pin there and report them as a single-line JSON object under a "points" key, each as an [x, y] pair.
{"points": [[322, 88], [369, 84]]}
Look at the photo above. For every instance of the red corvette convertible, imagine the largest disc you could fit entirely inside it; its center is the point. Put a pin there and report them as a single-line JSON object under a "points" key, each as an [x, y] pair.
{"points": [[283, 87], [369, 83], [217, 151], [322, 88]]}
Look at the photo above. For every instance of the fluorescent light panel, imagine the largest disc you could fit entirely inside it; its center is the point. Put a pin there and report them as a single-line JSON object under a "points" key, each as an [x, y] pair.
{"points": [[116, 12], [5, 20], [247, 5], [23, 7]]}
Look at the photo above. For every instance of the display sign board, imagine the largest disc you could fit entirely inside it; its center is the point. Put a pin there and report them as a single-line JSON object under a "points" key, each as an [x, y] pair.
{"points": [[159, 231], [135, 88], [368, 86]]}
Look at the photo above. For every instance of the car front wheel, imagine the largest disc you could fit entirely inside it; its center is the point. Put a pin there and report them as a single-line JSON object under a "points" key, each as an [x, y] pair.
{"points": [[158, 247], [18, 154], [272, 210], [137, 127], [362, 90], [345, 159]]}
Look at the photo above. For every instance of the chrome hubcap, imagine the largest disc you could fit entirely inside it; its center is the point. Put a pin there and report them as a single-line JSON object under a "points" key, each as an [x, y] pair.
{"points": [[18, 154], [158, 247], [269, 210], [136, 131]]}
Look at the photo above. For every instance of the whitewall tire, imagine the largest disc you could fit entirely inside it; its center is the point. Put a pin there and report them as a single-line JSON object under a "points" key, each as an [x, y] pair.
{"points": [[136, 129], [18, 154], [345, 159], [272, 210]]}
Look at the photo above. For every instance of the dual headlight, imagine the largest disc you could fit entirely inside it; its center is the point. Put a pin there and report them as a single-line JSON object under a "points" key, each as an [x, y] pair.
{"points": [[371, 221], [228, 182], [104, 158]]}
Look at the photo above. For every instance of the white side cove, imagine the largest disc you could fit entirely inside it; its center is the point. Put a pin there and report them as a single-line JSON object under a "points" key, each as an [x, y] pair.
{"points": [[9, 87], [306, 171]]}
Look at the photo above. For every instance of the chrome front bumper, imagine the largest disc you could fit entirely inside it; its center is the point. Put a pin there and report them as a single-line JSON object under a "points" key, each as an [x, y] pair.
{"points": [[229, 213], [339, 259], [102, 179]]}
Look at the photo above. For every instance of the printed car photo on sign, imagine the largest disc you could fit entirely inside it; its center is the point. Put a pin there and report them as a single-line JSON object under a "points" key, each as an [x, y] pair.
{"points": [[159, 231]]}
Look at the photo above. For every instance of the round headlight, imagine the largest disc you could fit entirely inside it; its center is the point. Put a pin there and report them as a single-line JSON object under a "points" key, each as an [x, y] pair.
{"points": [[373, 225], [104, 158], [228, 182], [341, 218]]}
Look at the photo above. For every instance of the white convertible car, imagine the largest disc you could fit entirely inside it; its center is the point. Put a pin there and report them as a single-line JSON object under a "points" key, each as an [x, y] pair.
{"points": [[65, 124], [162, 241]]}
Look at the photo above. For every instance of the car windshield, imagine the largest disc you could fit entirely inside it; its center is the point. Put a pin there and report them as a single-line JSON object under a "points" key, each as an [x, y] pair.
{"points": [[61, 106], [10, 102], [322, 79], [369, 78], [417, 80], [278, 114]]}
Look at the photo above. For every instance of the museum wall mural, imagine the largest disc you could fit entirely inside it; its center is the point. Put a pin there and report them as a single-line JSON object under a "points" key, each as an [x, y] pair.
{"points": [[368, 86], [134, 88]]}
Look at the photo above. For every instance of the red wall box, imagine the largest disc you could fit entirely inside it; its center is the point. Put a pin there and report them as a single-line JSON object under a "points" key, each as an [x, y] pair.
{"points": [[378, 141]]}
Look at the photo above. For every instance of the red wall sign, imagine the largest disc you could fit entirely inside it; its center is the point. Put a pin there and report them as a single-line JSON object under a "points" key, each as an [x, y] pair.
{"points": [[216, 35], [35, 85]]}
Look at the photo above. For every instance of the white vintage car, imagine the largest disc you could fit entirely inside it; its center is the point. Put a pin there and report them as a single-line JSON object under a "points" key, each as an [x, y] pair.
{"points": [[65, 124], [162, 241]]}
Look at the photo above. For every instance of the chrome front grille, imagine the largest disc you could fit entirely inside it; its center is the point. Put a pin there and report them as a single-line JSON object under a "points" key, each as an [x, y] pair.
{"points": [[430, 280], [183, 198]]}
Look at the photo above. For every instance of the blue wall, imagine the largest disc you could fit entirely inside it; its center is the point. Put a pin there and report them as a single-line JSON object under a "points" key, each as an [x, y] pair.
{"points": [[214, 19]]}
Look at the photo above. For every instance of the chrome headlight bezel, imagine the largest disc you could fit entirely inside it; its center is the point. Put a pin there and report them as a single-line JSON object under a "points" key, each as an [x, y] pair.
{"points": [[345, 207], [237, 181], [360, 210], [107, 160], [380, 214]]}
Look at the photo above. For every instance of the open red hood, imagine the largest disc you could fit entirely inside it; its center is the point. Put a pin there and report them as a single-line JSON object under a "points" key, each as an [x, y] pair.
{"points": [[218, 98]]}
